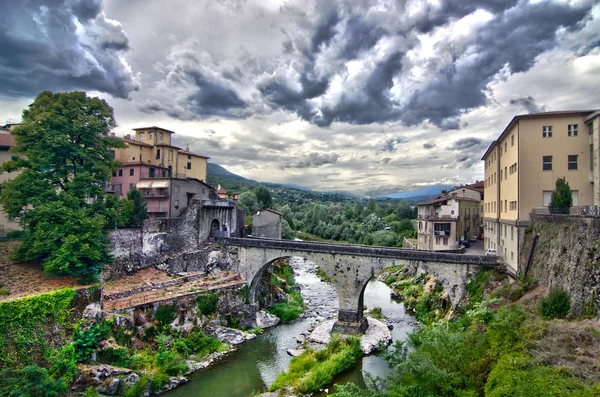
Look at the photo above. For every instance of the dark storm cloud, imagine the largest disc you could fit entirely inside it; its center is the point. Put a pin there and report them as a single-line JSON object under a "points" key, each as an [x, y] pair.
{"points": [[516, 34], [61, 45], [212, 99], [465, 143], [311, 160], [528, 103], [428, 145]]}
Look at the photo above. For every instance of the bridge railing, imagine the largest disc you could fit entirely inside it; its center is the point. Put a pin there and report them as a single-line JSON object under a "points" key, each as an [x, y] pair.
{"points": [[363, 250]]}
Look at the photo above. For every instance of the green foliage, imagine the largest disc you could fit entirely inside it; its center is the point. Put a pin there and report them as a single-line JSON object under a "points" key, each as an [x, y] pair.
{"points": [[248, 202], [31, 381], [115, 356], [290, 310], [25, 323], [245, 293], [165, 314], [286, 230], [86, 341], [555, 305], [208, 303], [16, 235], [90, 392], [200, 344], [312, 371], [133, 209], [137, 390], [476, 286], [516, 374], [376, 313], [63, 364], [263, 195], [561, 196], [322, 275], [4, 291], [64, 155]]}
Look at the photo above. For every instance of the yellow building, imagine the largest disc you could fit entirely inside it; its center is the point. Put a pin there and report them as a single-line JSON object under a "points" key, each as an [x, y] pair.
{"points": [[151, 154], [522, 166]]}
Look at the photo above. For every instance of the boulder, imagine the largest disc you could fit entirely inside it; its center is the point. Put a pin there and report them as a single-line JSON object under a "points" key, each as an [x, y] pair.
{"points": [[266, 320], [295, 352], [229, 335]]}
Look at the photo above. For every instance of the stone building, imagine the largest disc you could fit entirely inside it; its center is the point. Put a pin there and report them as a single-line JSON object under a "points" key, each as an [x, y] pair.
{"points": [[266, 223], [523, 164]]}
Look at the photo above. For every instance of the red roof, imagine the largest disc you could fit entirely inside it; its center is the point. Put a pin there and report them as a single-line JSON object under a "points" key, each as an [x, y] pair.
{"points": [[7, 140]]}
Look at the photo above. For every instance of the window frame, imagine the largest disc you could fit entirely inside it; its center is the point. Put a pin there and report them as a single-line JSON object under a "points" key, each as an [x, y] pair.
{"points": [[546, 162], [547, 131], [572, 164], [573, 131]]}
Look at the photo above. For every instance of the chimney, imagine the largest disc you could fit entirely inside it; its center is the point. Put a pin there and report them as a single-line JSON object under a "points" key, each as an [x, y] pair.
{"points": [[187, 147]]}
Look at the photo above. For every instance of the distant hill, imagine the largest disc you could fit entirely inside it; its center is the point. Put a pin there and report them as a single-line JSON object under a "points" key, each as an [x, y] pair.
{"points": [[217, 175], [423, 193], [299, 187]]}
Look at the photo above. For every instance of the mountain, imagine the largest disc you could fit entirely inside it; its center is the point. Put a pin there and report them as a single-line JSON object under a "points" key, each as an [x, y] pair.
{"points": [[299, 187], [217, 175], [426, 193]]}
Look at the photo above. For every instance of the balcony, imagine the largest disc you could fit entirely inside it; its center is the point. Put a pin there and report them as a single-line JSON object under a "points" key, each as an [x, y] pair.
{"points": [[437, 216], [161, 174]]}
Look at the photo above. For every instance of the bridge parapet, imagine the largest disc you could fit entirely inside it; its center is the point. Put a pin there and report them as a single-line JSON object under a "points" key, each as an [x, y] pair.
{"points": [[365, 250]]}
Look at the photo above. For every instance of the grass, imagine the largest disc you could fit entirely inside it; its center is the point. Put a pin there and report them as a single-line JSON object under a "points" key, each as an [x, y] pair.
{"points": [[322, 275], [314, 370], [290, 310], [376, 313]]}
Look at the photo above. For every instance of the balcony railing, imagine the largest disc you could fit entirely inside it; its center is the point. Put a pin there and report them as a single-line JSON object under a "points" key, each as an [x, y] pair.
{"points": [[160, 173], [437, 216]]}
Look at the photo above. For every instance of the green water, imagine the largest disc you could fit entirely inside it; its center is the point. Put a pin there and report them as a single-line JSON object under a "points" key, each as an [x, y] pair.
{"points": [[256, 363]]}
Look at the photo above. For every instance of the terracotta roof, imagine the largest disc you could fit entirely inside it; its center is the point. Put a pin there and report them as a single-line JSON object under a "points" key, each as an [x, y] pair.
{"points": [[153, 128], [435, 200], [7, 140], [221, 190], [533, 116], [183, 151], [134, 142]]}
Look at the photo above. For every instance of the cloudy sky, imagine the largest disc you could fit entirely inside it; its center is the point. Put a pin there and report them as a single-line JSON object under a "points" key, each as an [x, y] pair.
{"points": [[356, 95]]}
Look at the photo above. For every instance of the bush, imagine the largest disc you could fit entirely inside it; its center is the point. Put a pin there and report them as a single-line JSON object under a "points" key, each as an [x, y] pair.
{"points": [[207, 303], [290, 310], [16, 235], [198, 343], [118, 357], [555, 305], [4, 291], [86, 341], [31, 381], [165, 314]]}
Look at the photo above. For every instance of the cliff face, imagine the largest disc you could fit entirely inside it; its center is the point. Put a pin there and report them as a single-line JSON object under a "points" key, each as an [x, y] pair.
{"points": [[567, 256]]}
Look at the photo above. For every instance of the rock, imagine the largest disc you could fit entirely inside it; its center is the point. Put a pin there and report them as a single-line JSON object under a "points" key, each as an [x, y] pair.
{"points": [[266, 320], [377, 333], [301, 339], [92, 311], [229, 335], [110, 387], [397, 295], [131, 379], [322, 332], [390, 326], [295, 352]]}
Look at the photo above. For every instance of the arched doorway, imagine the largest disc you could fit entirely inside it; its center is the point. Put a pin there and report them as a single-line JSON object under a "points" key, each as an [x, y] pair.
{"points": [[215, 226]]}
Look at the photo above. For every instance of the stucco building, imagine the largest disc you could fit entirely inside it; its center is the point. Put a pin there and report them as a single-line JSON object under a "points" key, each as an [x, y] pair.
{"points": [[522, 166], [6, 142], [448, 219], [168, 176], [266, 223]]}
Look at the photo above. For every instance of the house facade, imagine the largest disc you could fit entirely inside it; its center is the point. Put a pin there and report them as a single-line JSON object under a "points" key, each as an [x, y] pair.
{"points": [[266, 223], [169, 177], [522, 166]]}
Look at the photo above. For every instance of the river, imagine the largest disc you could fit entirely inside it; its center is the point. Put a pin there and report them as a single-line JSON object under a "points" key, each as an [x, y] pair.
{"points": [[256, 363]]}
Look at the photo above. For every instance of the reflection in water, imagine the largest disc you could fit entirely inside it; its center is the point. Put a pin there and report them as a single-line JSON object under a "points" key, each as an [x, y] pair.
{"points": [[256, 363]]}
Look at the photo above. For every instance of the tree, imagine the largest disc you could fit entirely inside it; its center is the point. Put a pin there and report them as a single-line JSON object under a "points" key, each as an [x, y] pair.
{"points": [[248, 202], [64, 153], [561, 200], [265, 200], [137, 210]]}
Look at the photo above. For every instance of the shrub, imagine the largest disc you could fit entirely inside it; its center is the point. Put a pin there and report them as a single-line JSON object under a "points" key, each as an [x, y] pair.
{"points": [[165, 314], [197, 342], [207, 303], [86, 341], [555, 305], [115, 356], [16, 235], [180, 347], [31, 381], [137, 389], [290, 310], [4, 291], [63, 363], [376, 313], [150, 333]]}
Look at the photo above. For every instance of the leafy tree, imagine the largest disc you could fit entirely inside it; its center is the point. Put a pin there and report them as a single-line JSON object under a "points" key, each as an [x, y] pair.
{"points": [[137, 210], [248, 202], [65, 158], [286, 231], [561, 196], [265, 200]]}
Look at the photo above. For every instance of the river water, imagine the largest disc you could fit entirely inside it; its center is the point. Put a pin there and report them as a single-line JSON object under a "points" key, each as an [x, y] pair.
{"points": [[256, 363]]}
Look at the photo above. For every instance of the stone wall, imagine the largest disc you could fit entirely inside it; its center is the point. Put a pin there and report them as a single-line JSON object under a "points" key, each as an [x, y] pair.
{"points": [[567, 256]]}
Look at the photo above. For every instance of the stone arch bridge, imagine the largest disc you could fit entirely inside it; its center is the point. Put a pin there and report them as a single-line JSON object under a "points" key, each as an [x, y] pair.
{"points": [[350, 267]]}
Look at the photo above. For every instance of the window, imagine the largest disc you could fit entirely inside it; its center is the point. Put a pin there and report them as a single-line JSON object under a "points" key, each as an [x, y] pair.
{"points": [[189, 166], [513, 205], [513, 168], [590, 128], [150, 135], [512, 233], [158, 154], [189, 156], [445, 241], [505, 209], [547, 132], [141, 136], [512, 255], [572, 130], [500, 175], [505, 146], [441, 229], [151, 173], [512, 140], [546, 198], [546, 163], [131, 172], [505, 172], [120, 172], [160, 136], [170, 155], [575, 197], [572, 161]]}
